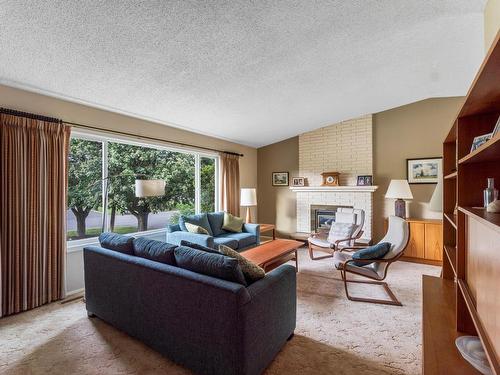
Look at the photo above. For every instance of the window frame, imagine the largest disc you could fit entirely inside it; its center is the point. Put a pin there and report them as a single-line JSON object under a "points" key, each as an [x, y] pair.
{"points": [[105, 139]]}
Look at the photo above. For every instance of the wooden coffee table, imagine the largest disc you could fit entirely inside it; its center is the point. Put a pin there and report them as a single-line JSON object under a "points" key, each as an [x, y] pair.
{"points": [[274, 253]]}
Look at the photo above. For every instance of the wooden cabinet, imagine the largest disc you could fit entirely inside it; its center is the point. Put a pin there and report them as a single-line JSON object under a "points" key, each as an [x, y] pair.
{"points": [[426, 241]]}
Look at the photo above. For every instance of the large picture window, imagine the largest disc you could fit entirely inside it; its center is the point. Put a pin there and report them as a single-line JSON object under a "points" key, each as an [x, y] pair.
{"points": [[190, 177]]}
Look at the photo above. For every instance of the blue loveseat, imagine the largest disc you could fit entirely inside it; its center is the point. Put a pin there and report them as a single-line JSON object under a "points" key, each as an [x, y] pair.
{"points": [[207, 324], [212, 222]]}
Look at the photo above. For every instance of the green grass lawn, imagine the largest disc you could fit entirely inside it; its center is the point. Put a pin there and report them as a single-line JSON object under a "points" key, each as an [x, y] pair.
{"points": [[94, 232]]}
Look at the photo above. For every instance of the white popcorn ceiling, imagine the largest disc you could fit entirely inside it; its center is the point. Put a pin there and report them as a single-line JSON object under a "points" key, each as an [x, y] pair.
{"points": [[254, 72]]}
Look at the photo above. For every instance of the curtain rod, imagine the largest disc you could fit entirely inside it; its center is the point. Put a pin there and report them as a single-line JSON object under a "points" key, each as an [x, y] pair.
{"points": [[51, 119]]}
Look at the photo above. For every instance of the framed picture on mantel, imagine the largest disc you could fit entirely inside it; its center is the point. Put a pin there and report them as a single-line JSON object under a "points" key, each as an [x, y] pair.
{"points": [[424, 171]]}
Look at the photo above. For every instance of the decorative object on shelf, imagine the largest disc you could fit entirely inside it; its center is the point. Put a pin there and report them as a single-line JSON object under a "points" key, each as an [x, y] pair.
{"points": [[436, 202], [494, 207], [248, 198], [496, 129], [365, 181], [399, 190], [330, 178], [298, 181], [280, 178], [490, 194], [471, 349], [424, 171], [480, 140]]}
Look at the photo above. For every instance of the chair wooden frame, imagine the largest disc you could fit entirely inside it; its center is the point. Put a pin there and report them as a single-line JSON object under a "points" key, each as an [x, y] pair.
{"points": [[333, 247], [378, 280]]}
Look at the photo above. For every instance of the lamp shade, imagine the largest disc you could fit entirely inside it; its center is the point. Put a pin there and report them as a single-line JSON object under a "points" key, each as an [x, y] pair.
{"points": [[149, 188], [436, 202], [248, 197], [399, 189]]}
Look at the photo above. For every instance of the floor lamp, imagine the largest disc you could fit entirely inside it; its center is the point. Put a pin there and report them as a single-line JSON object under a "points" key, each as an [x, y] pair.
{"points": [[248, 199]]}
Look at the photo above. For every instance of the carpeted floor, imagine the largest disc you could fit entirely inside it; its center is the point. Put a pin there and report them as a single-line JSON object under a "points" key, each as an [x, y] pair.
{"points": [[333, 335]]}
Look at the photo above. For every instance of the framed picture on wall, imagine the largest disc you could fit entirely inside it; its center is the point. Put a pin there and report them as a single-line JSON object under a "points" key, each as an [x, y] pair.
{"points": [[424, 171], [280, 178]]}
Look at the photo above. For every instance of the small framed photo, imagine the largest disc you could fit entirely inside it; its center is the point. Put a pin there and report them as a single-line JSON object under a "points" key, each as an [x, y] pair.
{"points": [[365, 181], [480, 140], [298, 181], [424, 171], [280, 178]]}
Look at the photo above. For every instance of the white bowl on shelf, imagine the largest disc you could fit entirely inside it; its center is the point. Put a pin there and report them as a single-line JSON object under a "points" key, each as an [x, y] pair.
{"points": [[472, 350]]}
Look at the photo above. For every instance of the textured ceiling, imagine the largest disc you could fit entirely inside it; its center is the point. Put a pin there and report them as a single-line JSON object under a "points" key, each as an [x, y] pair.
{"points": [[254, 72]]}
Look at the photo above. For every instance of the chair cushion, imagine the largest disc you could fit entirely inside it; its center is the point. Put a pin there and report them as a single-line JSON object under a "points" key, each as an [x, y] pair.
{"points": [[223, 240], [195, 228], [244, 239], [251, 271], [158, 251], [232, 223], [340, 231], [200, 220], [216, 220], [117, 242], [196, 246], [377, 251], [321, 242], [215, 265], [372, 270]]}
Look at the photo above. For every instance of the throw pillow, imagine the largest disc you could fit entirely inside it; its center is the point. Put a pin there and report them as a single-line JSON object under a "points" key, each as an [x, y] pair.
{"points": [[216, 220], [215, 265], [195, 228], [196, 246], [158, 251], [377, 251], [251, 271], [117, 242], [340, 231], [200, 220], [232, 223]]}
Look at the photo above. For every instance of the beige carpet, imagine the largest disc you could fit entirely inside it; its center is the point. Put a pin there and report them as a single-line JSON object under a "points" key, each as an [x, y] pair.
{"points": [[333, 335]]}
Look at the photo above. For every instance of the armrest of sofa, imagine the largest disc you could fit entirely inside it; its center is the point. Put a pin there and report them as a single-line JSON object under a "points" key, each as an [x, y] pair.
{"points": [[175, 238], [269, 317], [253, 229]]}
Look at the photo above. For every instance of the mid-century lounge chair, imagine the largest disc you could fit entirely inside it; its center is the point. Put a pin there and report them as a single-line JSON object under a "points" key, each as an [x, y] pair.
{"points": [[347, 228], [376, 269]]}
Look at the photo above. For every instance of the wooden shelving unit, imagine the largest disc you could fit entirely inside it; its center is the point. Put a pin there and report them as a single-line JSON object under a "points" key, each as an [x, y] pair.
{"points": [[466, 299]]}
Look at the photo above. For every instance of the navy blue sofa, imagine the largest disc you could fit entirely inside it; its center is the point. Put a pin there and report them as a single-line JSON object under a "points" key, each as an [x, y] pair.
{"points": [[212, 222], [209, 325]]}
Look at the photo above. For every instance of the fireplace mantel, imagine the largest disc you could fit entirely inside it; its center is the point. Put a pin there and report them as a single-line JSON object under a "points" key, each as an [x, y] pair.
{"points": [[336, 189]]}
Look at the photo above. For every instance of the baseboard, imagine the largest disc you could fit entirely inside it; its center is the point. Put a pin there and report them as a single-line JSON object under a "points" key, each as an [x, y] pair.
{"points": [[422, 261]]}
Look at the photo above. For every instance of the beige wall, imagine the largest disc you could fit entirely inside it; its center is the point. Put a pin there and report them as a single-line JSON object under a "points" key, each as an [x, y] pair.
{"points": [[277, 205], [415, 130], [45, 105], [491, 22]]}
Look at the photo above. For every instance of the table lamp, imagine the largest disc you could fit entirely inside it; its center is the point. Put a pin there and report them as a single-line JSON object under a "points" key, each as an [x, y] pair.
{"points": [[248, 199], [399, 190]]}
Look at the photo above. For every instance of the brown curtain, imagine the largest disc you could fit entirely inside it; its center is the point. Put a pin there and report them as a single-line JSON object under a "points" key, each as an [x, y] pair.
{"points": [[33, 167], [230, 183]]}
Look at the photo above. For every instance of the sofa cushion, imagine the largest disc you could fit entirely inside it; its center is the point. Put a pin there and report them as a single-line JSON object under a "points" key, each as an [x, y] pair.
{"points": [[158, 251], [200, 220], [196, 246], [223, 240], [244, 239], [377, 251], [195, 228], [117, 242], [251, 271], [215, 265], [232, 223], [216, 220]]}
